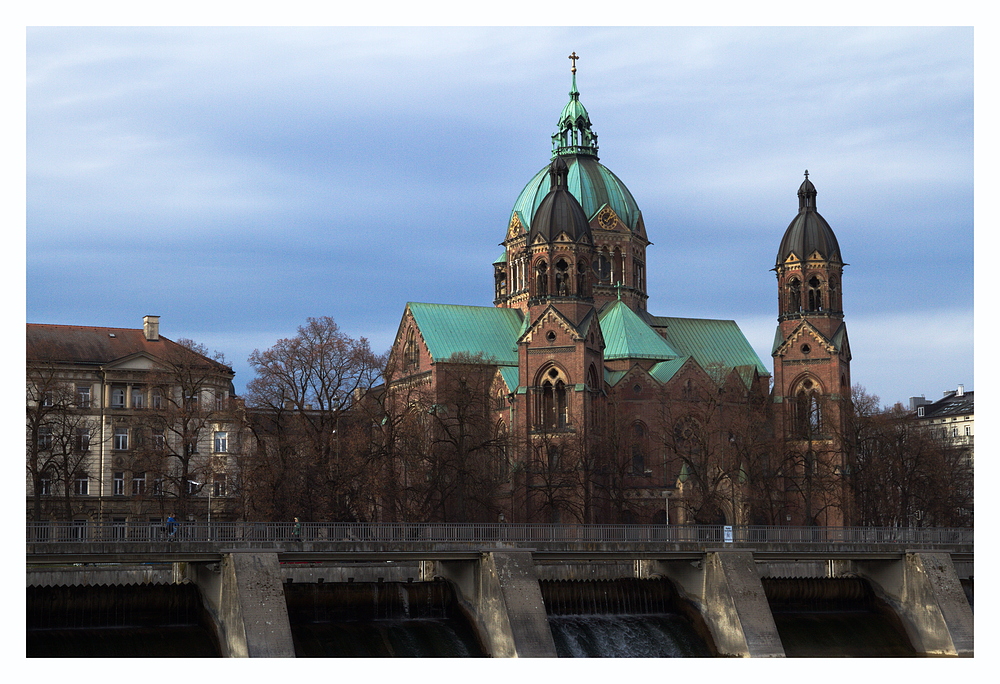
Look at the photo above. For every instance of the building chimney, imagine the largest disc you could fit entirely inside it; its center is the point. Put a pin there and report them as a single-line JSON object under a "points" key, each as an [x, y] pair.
{"points": [[151, 328], [960, 392]]}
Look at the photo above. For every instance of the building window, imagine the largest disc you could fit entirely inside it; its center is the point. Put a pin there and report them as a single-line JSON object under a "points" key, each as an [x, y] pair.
{"points": [[44, 438], [968, 430], [158, 487], [120, 440], [83, 396], [156, 398], [219, 484], [638, 449], [221, 442], [118, 484], [157, 440], [920, 412], [954, 432], [47, 399], [83, 439], [81, 485], [45, 484], [138, 484], [138, 398], [220, 401]]}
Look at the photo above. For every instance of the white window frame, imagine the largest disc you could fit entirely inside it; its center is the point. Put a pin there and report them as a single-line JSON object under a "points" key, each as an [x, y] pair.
{"points": [[220, 442], [81, 485], [120, 442], [118, 483]]}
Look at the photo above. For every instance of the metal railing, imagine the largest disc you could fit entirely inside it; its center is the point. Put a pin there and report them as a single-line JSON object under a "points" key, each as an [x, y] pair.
{"points": [[402, 535]]}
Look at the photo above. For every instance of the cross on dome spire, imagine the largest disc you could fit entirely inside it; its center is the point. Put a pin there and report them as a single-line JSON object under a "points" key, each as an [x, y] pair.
{"points": [[574, 135]]}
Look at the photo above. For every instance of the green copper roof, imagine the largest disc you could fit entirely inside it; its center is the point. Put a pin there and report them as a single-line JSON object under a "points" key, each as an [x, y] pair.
{"points": [[626, 336], [502, 259], [665, 370], [712, 343], [510, 375], [450, 329], [590, 182], [574, 135]]}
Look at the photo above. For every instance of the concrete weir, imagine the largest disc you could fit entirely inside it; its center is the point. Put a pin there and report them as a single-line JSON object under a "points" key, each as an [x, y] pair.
{"points": [[503, 593], [926, 593], [725, 586], [244, 596]]}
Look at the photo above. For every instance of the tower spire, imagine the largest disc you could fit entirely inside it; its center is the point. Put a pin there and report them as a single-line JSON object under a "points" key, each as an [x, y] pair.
{"points": [[574, 135]]}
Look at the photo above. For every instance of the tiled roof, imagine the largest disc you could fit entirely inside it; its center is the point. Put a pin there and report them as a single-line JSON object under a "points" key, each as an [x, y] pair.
{"points": [[95, 345]]}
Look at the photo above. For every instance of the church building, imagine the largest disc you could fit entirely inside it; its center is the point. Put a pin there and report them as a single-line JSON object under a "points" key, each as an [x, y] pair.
{"points": [[598, 411]]}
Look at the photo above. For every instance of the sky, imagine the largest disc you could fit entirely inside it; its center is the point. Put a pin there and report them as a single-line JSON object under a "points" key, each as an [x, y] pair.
{"points": [[236, 181]]}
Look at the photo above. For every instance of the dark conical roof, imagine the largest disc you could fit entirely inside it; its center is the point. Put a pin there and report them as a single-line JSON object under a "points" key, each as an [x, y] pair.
{"points": [[559, 211], [808, 232]]}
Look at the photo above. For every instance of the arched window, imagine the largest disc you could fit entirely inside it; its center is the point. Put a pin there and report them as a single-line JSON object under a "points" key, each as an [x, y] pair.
{"points": [[638, 449], [581, 279], [541, 279], [500, 439], [411, 356], [815, 294], [794, 302], [808, 418], [603, 267], [562, 278], [553, 410]]}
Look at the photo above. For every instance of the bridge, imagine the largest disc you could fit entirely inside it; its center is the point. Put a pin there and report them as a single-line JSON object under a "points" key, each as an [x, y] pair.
{"points": [[124, 542], [240, 567]]}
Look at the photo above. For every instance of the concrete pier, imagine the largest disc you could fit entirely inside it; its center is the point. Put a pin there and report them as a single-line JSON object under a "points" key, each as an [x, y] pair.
{"points": [[244, 596], [503, 593], [925, 592]]}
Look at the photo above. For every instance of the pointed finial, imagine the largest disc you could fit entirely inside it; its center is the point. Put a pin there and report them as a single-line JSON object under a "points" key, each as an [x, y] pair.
{"points": [[618, 286], [807, 174], [573, 57]]}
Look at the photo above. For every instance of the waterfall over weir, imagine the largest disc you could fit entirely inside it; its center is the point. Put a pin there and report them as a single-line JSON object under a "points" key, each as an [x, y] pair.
{"points": [[133, 621], [379, 619], [624, 618], [834, 617]]}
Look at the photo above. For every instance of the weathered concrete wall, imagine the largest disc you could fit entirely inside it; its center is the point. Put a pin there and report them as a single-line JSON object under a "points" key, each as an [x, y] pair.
{"points": [[927, 595], [98, 575], [727, 590], [502, 590], [244, 595], [357, 572], [586, 570]]}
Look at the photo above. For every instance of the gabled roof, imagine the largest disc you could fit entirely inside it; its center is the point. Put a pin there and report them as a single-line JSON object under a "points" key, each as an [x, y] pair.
{"points": [[449, 329], [626, 336], [97, 346], [510, 375], [712, 343]]}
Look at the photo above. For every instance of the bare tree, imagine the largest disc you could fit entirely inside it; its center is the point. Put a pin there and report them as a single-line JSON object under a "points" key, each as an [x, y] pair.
{"points": [[189, 395], [901, 473], [304, 463], [58, 440]]}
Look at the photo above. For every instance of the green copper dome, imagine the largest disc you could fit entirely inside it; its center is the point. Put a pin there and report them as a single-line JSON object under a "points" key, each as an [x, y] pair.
{"points": [[592, 183]]}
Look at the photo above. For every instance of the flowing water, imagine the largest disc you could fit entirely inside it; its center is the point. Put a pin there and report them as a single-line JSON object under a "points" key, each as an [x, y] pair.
{"points": [[379, 619], [626, 618], [136, 621], [834, 617]]}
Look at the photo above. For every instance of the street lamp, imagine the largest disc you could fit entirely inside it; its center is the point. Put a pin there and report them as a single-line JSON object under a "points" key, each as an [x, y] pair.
{"points": [[199, 484]]}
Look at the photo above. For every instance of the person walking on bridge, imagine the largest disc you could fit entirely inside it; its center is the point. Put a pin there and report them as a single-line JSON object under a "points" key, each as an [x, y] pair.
{"points": [[171, 526]]}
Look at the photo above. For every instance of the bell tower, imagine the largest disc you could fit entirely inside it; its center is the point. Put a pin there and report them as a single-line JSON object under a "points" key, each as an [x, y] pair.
{"points": [[812, 363]]}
